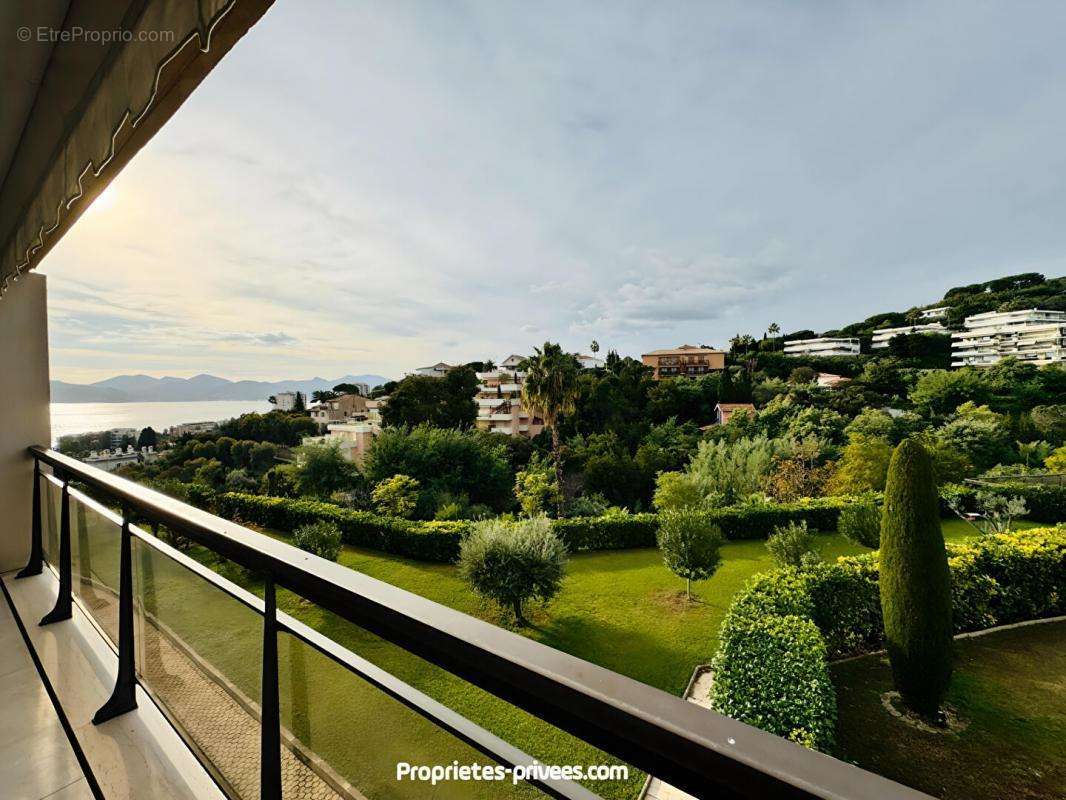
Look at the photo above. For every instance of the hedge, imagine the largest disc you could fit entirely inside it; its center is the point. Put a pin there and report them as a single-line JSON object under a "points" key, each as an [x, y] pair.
{"points": [[996, 580], [429, 541], [758, 520], [582, 534], [1047, 503], [754, 521], [439, 541]]}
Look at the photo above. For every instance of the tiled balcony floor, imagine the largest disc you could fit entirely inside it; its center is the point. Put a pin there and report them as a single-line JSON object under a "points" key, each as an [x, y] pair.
{"points": [[137, 755], [36, 759]]}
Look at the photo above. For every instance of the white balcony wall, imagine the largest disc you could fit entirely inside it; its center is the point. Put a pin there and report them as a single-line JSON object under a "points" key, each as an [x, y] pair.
{"points": [[24, 420]]}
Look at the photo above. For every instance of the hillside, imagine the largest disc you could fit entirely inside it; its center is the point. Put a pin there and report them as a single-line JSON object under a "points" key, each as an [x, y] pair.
{"points": [[1009, 293]]}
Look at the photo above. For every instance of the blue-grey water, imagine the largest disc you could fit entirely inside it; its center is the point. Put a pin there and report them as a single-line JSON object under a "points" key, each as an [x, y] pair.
{"points": [[84, 417]]}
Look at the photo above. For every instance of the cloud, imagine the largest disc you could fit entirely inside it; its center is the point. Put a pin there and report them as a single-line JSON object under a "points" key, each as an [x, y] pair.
{"points": [[471, 183], [278, 338]]}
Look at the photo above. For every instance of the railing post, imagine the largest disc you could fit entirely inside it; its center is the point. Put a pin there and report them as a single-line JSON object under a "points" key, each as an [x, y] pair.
{"points": [[270, 722], [62, 608], [124, 696], [36, 562]]}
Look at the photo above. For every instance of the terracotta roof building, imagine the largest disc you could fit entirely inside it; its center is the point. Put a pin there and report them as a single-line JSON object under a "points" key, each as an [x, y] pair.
{"points": [[684, 360]]}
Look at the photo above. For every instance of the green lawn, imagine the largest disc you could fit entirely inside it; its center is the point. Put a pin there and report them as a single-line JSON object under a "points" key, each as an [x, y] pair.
{"points": [[620, 609], [1009, 686]]}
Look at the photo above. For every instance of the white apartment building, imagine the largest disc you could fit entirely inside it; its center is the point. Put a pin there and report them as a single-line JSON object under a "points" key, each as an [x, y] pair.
{"points": [[286, 401], [499, 403], [438, 370], [823, 346], [1034, 336], [882, 336], [110, 460], [935, 313], [191, 428]]}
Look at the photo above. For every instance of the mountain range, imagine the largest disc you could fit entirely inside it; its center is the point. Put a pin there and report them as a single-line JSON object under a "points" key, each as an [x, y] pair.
{"points": [[146, 389]]}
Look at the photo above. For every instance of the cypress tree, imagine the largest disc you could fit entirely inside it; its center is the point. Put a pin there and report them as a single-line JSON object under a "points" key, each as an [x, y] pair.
{"points": [[915, 581]]}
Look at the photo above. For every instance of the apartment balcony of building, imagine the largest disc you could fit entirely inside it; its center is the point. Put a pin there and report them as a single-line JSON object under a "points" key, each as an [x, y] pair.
{"points": [[488, 389], [130, 669]]}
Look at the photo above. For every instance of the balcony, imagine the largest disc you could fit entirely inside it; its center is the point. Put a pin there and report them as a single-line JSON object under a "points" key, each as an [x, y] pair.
{"points": [[132, 669], [232, 697]]}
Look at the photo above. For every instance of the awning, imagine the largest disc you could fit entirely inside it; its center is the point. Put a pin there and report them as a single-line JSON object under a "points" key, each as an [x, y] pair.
{"points": [[86, 83]]}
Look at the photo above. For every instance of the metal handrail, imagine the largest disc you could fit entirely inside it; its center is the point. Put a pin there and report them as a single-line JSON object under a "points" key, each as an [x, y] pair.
{"points": [[695, 749]]}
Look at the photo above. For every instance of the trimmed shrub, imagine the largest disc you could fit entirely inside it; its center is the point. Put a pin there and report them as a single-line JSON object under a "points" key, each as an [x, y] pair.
{"points": [[846, 604], [781, 593], [322, 539], [691, 546], [861, 523], [771, 672], [788, 544], [514, 562], [915, 581]]}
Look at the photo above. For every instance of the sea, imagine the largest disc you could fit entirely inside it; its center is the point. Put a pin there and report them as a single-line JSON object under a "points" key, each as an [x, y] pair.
{"points": [[68, 418]]}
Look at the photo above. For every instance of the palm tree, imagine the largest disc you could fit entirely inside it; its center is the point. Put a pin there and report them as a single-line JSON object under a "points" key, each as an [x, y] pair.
{"points": [[550, 392], [594, 347], [772, 331]]}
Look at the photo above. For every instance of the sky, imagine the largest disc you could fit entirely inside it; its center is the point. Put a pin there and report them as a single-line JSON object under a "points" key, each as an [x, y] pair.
{"points": [[368, 187]]}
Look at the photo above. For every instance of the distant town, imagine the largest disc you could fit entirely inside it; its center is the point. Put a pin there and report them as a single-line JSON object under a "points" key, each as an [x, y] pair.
{"points": [[350, 415]]}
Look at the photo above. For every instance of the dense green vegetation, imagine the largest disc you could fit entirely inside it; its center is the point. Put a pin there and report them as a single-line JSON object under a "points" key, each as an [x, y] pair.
{"points": [[1008, 689]]}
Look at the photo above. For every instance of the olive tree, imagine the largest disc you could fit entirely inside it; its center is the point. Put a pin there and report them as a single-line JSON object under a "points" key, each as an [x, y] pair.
{"points": [[513, 562]]}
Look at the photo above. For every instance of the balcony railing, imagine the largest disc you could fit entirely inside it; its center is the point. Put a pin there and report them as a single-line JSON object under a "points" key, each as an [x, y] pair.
{"points": [[191, 639]]}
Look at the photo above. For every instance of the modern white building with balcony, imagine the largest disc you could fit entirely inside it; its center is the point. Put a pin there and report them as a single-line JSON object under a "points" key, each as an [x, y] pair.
{"points": [[935, 313], [882, 336], [1034, 336], [438, 370], [823, 346], [499, 403]]}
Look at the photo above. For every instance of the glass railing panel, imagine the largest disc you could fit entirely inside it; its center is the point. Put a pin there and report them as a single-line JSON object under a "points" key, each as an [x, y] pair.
{"points": [[199, 651], [95, 535], [51, 497], [344, 737]]}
